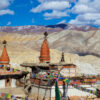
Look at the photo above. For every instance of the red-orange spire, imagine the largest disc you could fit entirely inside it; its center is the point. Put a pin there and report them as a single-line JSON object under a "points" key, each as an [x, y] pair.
{"points": [[45, 53], [4, 59]]}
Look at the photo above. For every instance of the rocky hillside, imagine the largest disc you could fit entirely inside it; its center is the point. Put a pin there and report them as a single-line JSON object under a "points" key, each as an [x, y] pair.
{"points": [[80, 47], [39, 29]]}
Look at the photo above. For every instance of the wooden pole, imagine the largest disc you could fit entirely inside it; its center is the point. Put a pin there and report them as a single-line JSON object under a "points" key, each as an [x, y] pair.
{"points": [[50, 91], [65, 89], [38, 89]]}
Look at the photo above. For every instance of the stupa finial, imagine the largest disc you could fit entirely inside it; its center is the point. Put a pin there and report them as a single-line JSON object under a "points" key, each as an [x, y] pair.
{"points": [[4, 43], [45, 34], [62, 57]]}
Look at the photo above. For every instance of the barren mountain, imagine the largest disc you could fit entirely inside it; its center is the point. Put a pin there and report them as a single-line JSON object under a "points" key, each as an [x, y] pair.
{"points": [[33, 29], [81, 47]]}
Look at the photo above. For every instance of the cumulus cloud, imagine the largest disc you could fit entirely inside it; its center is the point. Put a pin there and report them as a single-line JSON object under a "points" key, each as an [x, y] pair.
{"points": [[87, 19], [51, 5], [4, 4], [97, 22], [55, 14], [7, 11], [88, 12], [81, 9], [61, 22], [58, 8], [56, 0]]}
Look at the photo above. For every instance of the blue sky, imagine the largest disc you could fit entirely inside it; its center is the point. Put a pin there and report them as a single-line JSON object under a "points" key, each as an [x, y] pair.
{"points": [[48, 12]]}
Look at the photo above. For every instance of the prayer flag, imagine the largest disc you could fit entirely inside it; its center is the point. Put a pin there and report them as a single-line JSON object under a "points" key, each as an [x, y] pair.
{"points": [[6, 95], [67, 80], [9, 96]]}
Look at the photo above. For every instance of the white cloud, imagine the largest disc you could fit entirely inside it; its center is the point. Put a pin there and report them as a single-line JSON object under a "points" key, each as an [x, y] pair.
{"points": [[4, 4], [88, 12], [87, 19], [97, 22], [56, 0], [83, 1], [51, 5], [9, 23], [7, 11], [63, 21], [78, 22], [82, 8], [55, 14], [58, 8]]}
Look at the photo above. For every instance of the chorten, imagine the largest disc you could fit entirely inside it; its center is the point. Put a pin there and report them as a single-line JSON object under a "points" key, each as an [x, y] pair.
{"points": [[44, 52], [4, 59], [62, 58]]}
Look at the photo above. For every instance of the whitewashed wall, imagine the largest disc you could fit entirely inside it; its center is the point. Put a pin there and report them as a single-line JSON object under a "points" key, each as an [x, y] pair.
{"points": [[13, 83], [2, 83], [73, 91], [68, 72]]}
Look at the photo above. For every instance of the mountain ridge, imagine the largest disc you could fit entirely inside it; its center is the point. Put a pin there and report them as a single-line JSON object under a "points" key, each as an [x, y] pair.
{"points": [[37, 29], [25, 47]]}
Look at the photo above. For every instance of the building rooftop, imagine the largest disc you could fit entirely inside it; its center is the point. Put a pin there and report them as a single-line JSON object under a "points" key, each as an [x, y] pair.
{"points": [[46, 64], [35, 64]]}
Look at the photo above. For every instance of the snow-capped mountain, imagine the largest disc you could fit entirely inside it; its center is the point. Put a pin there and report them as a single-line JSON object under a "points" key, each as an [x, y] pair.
{"points": [[31, 29]]}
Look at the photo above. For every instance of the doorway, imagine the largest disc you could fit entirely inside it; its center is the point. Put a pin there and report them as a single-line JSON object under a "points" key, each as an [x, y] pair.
{"points": [[8, 82]]}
